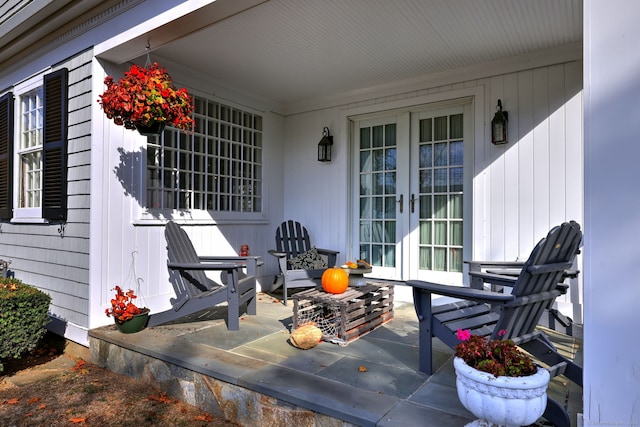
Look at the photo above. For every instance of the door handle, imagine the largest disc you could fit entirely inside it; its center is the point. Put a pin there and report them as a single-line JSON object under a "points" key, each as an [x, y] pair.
{"points": [[412, 202], [401, 201]]}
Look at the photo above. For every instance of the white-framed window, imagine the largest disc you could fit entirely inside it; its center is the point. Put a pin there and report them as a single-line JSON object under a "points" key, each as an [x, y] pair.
{"points": [[217, 168], [29, 137], [33, 149]]}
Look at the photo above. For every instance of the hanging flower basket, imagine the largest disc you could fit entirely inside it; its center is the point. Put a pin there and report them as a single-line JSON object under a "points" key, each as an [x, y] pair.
{"points": [[146, 97], [128, 317]]}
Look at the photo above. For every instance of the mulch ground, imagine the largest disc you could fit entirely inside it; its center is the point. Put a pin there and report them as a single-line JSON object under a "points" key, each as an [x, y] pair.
{"points": [[42, 389]]}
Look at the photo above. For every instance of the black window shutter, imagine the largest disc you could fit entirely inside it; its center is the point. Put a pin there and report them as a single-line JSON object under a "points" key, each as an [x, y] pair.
{"points": [[6, 156], [54, 149]]}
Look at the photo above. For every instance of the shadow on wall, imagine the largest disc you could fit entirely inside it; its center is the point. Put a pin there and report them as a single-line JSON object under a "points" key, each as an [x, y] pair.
{"points": [[130, 165]]}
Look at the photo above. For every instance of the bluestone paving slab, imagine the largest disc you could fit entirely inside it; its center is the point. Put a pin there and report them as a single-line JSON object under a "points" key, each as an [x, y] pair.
{"points": [[375, 377], [219, 337], [329, 397], [311, 361], [440, 397], [383, 351], [409, 414]]}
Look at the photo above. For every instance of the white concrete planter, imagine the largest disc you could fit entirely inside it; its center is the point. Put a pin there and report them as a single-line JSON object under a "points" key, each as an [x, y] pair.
{"points": [[504, 401]]}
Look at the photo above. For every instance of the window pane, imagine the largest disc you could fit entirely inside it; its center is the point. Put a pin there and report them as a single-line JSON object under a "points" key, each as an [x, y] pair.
{"points": [[456, 126], [440, 128], [425, 130]]}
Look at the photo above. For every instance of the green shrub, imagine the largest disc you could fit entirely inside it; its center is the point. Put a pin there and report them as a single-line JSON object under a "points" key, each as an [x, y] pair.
{"points": [[23, 316]]}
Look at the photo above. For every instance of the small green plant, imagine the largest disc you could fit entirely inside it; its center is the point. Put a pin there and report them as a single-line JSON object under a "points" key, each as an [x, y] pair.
{"points": [[498, 357], [23, 317]]}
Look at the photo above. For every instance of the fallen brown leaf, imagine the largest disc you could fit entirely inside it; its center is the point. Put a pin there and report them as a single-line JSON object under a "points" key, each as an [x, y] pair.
{"points": [[78, 420], [203, 417]]}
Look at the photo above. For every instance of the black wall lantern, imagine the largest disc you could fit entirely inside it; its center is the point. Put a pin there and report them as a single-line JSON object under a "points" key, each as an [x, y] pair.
{"points": [[324, 146], [499, 126]]}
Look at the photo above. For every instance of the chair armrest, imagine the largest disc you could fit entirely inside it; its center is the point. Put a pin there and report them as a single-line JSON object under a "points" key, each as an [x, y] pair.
{"points": [[493, 278], [277, 254], [252, 262], [204, 266], [327, 251], [460, 292], [477, 265]]}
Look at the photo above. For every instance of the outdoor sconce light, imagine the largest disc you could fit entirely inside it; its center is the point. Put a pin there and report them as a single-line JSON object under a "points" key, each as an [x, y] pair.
{"points": [[324, 146], [499, 126]]}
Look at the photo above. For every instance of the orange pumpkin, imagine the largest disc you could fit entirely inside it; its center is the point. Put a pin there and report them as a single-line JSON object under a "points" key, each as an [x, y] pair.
{"points": [[335, 280]]}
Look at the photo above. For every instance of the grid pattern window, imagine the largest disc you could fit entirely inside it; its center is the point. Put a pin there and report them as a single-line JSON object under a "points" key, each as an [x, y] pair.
{"points": [[30, 149], [378, 163], [441, 193], [217, 168]]}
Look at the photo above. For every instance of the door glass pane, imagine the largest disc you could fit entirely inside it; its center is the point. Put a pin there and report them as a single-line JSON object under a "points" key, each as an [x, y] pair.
{"points": [[390, 256], [365, 138], [425, 232], [425, 259], [456, 126], [425, 207], [455, 153], [440, 157], [440, 128], [390, 232], [425, 130], [365, 207], [440, 180], [365, 161], [390, 135], [455, 179], [455, 206], [439, 259], [378, 136], [390, 208], [440, 233], [390, 158], [426, 153], [376, 232], [365, 231], [426, 183], [456, 233], [455, 260], [440, 206]]}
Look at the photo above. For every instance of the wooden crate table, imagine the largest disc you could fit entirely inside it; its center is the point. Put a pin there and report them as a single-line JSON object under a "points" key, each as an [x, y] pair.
{"points": [[347, 316]]}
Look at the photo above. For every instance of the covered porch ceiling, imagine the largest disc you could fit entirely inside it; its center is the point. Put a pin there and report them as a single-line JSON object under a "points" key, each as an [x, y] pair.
{"points": [[292, 51]]}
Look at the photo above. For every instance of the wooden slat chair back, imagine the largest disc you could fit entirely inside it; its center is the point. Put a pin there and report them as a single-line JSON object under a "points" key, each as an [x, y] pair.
{"points": [[487, 313], [181, 250], [292, 240], [195, 291]]}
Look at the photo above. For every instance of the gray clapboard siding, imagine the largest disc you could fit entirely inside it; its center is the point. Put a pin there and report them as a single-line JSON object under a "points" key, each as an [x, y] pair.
{"points": [[41, 256]]}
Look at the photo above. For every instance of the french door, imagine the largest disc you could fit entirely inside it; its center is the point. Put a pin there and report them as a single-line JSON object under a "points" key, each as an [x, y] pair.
{"points": [[410, 174]]}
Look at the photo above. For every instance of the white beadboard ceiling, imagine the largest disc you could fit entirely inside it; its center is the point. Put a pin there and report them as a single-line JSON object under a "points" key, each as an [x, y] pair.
{"points": [[292, 51]]}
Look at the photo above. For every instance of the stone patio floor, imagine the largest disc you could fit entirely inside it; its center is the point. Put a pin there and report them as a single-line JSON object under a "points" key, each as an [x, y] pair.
{"points": [[254, 377]]}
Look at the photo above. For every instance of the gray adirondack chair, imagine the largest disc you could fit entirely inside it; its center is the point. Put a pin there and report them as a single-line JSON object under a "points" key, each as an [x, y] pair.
{"points": [[486, 312], [292, 240], [195, 291]]}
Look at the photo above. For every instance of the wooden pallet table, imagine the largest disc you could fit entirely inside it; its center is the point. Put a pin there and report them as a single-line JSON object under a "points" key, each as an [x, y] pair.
{"points": [[347, 316]]}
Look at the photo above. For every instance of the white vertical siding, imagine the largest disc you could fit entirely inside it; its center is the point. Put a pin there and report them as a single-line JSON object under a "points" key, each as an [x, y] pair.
{"points": [[520, 190]]}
